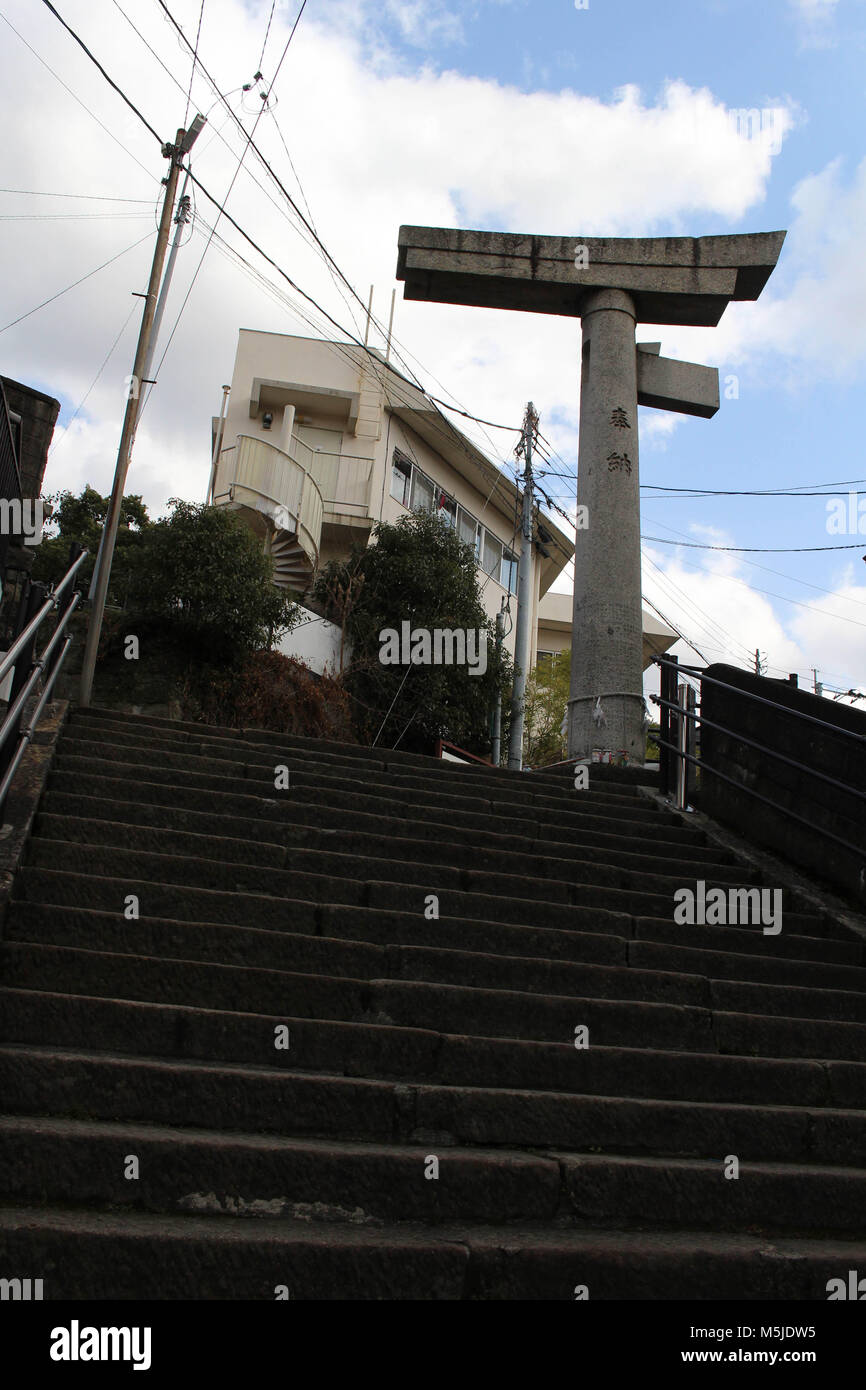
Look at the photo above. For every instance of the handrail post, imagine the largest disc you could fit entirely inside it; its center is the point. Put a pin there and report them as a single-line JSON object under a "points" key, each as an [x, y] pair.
{"points": [[33, 599], [668, 668]]}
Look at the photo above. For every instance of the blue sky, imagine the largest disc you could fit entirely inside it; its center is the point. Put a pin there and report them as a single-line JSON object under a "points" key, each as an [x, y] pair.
{"points": [[524, 116]]}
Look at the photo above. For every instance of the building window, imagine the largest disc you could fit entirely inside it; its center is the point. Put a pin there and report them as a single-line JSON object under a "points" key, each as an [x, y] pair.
{"points": [[469, 531], [491, 555], [447, 510], [401, 479], [423, 492], [508, 576]]}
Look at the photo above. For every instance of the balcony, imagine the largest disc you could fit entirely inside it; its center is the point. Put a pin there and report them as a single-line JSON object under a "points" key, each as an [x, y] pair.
{"points": [[286, 498], [343, 480]]}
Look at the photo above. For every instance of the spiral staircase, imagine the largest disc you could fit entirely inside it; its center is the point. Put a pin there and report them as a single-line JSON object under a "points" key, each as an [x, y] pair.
{"points": [[277, 497]]}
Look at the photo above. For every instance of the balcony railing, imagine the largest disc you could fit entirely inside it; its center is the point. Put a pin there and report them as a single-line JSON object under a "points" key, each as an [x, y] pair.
{"points": [[270, 482], [343, 479]]}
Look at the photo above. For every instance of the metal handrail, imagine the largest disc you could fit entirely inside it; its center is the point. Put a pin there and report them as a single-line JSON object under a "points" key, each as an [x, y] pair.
{"points": [[36, 621], [47, 664], [761, 699], [762, 748], [750, 791]]}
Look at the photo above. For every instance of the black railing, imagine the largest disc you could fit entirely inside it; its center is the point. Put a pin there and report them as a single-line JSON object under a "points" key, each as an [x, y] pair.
{"points": [[37, 603], [678, 762], [10, 475]]}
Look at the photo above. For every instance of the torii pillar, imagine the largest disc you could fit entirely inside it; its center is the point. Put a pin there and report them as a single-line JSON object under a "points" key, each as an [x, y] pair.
{"points": [[611, 284]]}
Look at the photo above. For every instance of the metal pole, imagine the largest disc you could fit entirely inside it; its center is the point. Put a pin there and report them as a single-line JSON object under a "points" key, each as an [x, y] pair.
{"points": [[218, 442], [496, 750], [369, 315], [390, 327], [99, 588], [521, 637], [180, 219]]}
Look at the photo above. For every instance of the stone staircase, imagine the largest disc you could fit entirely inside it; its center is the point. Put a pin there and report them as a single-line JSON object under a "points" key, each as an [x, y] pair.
{"points": [[304, 915]]}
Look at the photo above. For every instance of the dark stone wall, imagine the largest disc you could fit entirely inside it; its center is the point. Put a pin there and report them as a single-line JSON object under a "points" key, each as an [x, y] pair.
{"points": [[824, 750], [38, 417]]}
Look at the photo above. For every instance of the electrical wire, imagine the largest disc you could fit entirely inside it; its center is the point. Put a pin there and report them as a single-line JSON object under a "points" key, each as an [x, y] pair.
{"points": [[88, 276], [755, 549], [194, 60], [81, 103], [91, 197], [145, 122], [58, 443]]}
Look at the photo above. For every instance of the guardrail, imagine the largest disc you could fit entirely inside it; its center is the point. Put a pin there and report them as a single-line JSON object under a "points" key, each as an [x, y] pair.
{"points": [[28, 669], [680, 716]]}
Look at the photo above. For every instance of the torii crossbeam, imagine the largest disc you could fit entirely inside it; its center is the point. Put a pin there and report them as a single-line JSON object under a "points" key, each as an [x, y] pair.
{"points": [[611, 284]]}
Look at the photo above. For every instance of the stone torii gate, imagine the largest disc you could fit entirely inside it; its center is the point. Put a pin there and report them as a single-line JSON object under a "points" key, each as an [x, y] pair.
{"points": [[611, 284]]}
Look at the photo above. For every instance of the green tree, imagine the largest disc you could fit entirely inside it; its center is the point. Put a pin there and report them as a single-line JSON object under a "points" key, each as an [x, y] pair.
{"points": [[202, 580], [81, 519], [420, 572], [547, 691]]}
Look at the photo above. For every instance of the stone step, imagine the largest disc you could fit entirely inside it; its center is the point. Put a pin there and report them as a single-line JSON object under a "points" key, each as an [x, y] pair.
{"points": [[158, 788], [368, 834], [379, 1051], [302, 849], [260, 760], [96, 1086], [761, 1028], [83, 1162], [47, 1161], [49, 925], [696, 1195], [260, 778], [625, 979], [119, 730], [320, 875], [139, 1256]]}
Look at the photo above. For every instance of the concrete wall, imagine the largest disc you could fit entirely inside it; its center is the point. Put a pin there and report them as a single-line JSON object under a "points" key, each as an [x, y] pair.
{"points": [[840, 757], [316, 642]]}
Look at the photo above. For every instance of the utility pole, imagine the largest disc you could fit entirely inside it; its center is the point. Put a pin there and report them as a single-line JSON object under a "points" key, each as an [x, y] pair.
{"points": [[521, 636], [496, 750], [99, 587]]}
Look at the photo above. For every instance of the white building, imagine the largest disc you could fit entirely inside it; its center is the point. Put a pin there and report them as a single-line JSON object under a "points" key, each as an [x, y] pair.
{"points": [[321, 440]]}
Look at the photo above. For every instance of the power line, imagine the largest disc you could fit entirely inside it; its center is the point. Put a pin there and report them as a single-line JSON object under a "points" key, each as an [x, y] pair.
{"points": [[91, 197], [57, 444], [194, 60], [267, 32], [88, 276], [225, 200], [755, 549], [81, 103], [109, 80], [793, 579]]}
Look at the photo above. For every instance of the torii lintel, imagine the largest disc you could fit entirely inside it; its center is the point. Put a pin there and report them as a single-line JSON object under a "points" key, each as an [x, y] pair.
{"points": [[672, 280]]}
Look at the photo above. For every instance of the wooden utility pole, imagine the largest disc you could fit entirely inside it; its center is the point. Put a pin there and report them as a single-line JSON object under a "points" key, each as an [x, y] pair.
{"points": [[524, 602], [99, 588]]}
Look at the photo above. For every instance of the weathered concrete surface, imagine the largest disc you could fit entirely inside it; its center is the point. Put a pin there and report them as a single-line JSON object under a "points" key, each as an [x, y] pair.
{"points": [[677, 280], [607, 644], [412, 1038]]}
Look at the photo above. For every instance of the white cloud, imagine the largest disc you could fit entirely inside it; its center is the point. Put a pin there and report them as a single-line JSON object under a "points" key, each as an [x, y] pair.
{"points": [[375, 145], [814, 21], [810, 323], [713, 597]]}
